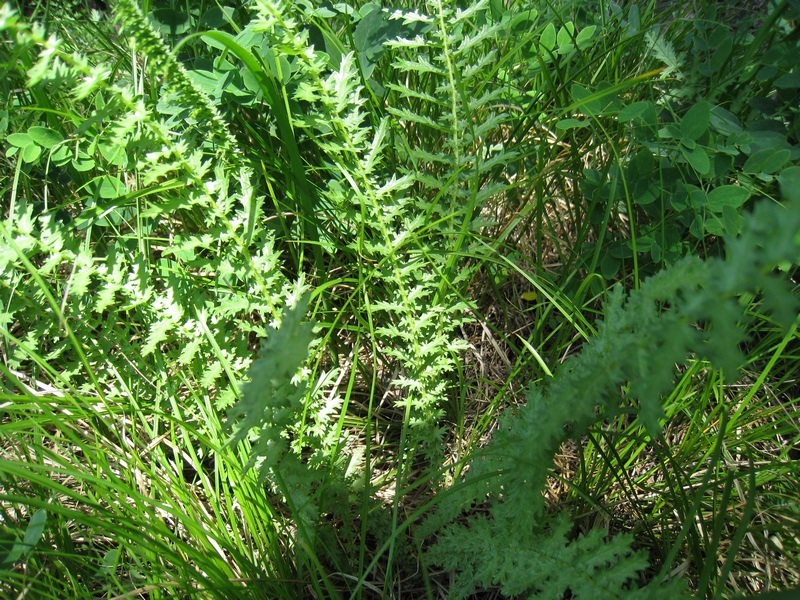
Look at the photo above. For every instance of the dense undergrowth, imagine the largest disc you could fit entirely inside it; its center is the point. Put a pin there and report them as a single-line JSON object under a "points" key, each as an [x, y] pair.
{"points": [[434, 299]]}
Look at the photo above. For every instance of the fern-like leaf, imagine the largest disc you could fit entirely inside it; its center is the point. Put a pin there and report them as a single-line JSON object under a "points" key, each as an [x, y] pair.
{"points": [[273, 398], [690, 308]]}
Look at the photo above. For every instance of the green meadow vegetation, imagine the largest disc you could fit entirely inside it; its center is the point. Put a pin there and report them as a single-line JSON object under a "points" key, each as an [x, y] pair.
{"points": [[413, 299]]}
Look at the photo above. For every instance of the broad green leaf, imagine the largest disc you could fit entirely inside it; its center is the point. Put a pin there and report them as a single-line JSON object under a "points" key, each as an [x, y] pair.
{"points": [[35, 528], [588, 102], [727, 222], [789, 180], [45, 137], [584, 36], [647, 195], [656, 252], [216, 17], [564, 36], [20, 140], [497, 8], [565, 124], [61, 155], [697, 158], [547, 40], [643, 244], [609, 265], [8, 556], [634, 20], [112, 187], [767, 161], [109, 563], [23, 548], [369, 37], [322, 12], [114, 153], [721, 165], [643, 164], [671, 130], [722, 53], [31, 153], [633, 111], [727, 195], [696, 228], [724, 121], [83, 163], [233, 85], [368, 8], [206, 81], [790, 81], [621, 250], [732, 219], [251, 83], [107, 187], [696, 120], [215, 42], [767, 138], [697, 196], [679, 199], [169, 21], [524, 21]]}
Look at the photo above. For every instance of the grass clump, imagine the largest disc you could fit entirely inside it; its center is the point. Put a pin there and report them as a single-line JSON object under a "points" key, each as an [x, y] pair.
{"points": [[418, 213]]}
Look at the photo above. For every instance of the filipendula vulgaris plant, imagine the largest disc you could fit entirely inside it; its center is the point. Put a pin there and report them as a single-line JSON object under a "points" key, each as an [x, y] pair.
{"points": [[373, 222], [141, 294], [402, 223], [691, 308], [444, 120], [148, 177], [295, 446]]}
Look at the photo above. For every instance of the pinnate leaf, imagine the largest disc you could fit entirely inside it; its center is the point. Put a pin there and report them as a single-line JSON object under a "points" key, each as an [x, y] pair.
{"points": [[271, 400]]}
